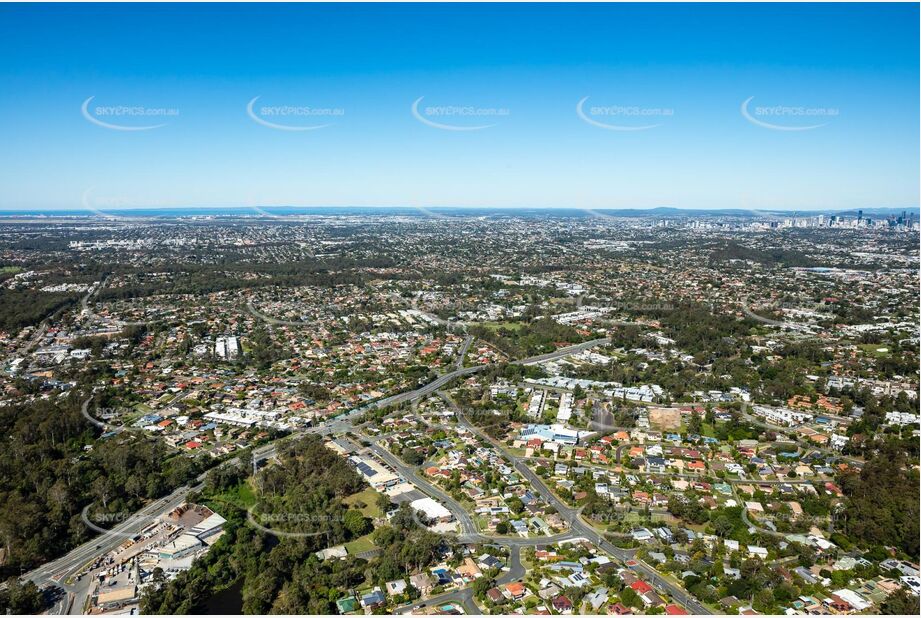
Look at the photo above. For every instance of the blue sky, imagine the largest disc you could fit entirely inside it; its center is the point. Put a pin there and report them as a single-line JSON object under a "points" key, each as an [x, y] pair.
{"points": [[682, 70]]}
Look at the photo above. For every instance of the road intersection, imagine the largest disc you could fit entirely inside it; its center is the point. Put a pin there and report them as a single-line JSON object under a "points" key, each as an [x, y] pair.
{"points": [[60, 572]]}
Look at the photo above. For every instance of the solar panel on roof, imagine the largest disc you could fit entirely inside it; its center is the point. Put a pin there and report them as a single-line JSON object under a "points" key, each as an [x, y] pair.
{"points": [[366, 469]]}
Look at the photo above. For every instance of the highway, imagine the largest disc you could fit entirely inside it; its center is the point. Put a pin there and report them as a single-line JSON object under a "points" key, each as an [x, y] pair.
{"points": [[462, 354], [758, 318], [423, 391], [441, 381], [42, 328], [61, 570], [572, 349]]}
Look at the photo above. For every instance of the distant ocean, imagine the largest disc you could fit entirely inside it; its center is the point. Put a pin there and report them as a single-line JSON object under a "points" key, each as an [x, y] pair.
{"points": [[391, 211], [332, 211]]}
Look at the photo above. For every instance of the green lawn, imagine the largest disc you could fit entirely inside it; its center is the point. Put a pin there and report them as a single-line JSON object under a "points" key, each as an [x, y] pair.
{"points": [[242, 495], [359, 545], [369, 497], [498, 325], [481, 522], [879, 350], [706, 429], [632, 517]]}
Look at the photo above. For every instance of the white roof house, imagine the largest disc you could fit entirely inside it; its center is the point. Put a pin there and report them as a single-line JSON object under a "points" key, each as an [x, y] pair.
{"points": [[431, 508], [853, 599]]}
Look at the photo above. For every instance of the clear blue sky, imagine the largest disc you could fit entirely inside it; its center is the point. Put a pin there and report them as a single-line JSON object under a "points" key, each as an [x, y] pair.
{"points": [[537, 61]]}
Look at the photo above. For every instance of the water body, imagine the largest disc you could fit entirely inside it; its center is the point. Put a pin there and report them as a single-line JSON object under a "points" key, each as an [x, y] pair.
{"points": [[228, 601], [327, 211]]}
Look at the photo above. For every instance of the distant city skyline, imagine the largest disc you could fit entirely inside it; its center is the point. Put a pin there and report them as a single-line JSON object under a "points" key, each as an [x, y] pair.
{"points": [[768, 107]]}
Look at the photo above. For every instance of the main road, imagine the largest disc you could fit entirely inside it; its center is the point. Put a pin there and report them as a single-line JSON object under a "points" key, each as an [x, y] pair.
{"points": [[61, 570], [579, 527], [434, 385], [468, 527]]}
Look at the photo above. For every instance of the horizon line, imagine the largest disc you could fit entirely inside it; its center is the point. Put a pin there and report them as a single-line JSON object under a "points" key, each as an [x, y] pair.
{"points": [[781, 209]]}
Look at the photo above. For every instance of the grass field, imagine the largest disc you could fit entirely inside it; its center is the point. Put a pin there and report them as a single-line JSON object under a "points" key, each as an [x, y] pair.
{"points": [[877, 350], [481, 522], [359, 545], [498, 325], [243, 496], [369, 497]]}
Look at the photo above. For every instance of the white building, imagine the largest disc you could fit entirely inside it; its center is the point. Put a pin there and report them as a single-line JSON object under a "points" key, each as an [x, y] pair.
{"points": [[432, 509], [902, 418], [565, 411], [782, 416], [243, 417], [226, 347], [183, 545]]}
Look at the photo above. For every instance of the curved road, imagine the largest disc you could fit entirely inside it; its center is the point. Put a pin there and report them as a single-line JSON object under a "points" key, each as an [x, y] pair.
{"points": [[436, 384], [583, 529]]}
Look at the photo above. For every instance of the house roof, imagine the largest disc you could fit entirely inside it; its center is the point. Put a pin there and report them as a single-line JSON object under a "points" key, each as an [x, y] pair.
{"points": [[675, 610], [640, 586]]}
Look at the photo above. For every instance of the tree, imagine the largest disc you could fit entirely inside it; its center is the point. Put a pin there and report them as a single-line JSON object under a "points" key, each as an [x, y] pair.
{"points": [[21, 598], [711, 415], [382, 502], [882, 501], [695, 424], [411, 456], [722, 526], [900, 602], [630, 598], [481, 585], [356, 523]]}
